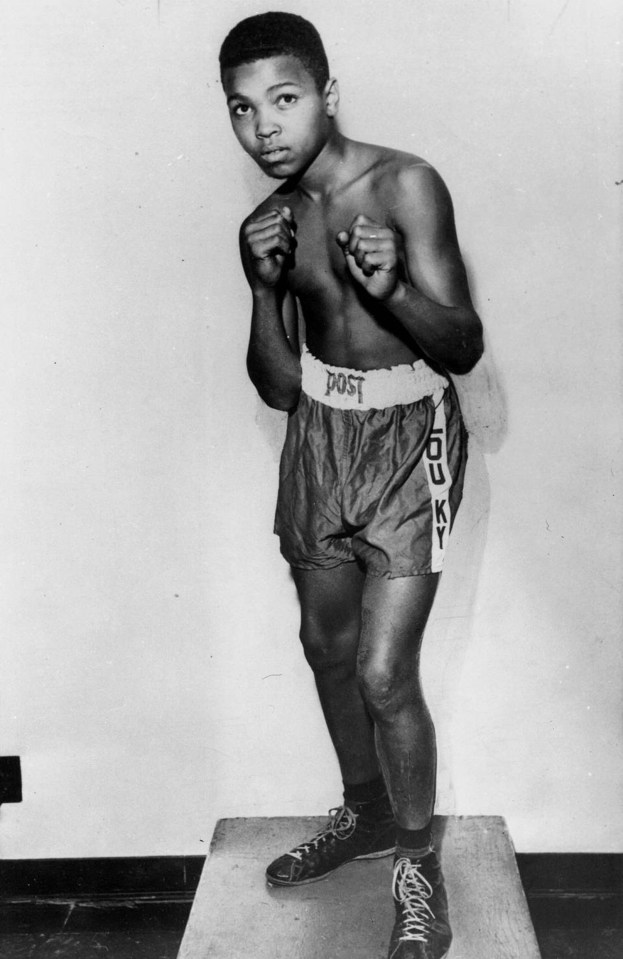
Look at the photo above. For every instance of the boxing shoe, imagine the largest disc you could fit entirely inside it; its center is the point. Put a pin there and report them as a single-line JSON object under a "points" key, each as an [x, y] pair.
{"points": [[355, 831], [422, 929]]}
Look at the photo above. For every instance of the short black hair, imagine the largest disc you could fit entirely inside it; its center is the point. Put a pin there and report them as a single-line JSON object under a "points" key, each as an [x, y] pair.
{"points": [[272, 35]]}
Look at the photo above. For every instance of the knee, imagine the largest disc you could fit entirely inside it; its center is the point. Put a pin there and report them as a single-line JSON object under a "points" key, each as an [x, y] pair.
{"points": [[386, 688], [326, 650]]}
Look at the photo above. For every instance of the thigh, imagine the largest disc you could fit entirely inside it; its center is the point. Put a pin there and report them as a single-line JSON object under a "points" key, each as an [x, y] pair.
{"points": [[308, 518], [394, 616], [421, 456]]}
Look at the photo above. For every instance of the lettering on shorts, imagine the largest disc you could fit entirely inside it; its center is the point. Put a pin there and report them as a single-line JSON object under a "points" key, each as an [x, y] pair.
{"points": [[344, 383], [439, 483]]}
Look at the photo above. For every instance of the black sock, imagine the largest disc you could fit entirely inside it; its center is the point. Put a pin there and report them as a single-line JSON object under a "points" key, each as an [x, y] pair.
{"points": [[413, 843], [365, 792]]}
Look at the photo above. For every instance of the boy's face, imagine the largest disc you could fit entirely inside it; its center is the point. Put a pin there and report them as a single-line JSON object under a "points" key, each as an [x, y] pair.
{"points": [[277, 113]]}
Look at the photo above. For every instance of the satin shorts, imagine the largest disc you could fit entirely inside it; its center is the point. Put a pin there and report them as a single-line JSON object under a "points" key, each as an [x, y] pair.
{"points": [[379, 485]]}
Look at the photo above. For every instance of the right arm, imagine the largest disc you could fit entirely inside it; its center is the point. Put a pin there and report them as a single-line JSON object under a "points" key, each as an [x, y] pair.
{"points": [[273, 359]]}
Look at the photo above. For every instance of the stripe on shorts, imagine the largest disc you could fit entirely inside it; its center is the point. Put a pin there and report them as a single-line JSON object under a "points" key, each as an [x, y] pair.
{"points": [[439, 482]]}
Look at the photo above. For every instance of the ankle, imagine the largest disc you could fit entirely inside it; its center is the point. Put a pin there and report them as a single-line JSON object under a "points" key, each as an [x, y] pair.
{"points": [[366, 793], [413, 843]]}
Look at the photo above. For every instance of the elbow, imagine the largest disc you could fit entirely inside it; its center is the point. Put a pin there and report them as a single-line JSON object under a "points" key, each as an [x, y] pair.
{"points": [[280, 400], [282, 403], [280, 395], [466, 360], [470, 349]]}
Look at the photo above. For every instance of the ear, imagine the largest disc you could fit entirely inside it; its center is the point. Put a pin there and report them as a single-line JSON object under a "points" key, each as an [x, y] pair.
{"points": [[331, 97]]}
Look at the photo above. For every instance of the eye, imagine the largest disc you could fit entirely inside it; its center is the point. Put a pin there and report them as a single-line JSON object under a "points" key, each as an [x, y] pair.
{"points": [[286, 99], [240, 110]]}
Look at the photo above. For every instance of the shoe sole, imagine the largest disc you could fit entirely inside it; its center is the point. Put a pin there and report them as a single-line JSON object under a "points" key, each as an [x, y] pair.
{"points": [[305, 882], [445, 955]]}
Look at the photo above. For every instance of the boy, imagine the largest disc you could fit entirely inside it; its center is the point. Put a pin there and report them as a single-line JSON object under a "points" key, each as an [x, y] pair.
{"points": [[363, 238]]}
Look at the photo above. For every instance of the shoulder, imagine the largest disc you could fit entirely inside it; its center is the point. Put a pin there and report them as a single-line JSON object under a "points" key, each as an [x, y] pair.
{"points": [[385, 164], [413, 191], [404, 179], [413, 181]]}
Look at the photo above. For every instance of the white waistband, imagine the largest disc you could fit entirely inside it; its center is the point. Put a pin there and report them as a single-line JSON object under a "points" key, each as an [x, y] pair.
{"points": [[346, 389]]}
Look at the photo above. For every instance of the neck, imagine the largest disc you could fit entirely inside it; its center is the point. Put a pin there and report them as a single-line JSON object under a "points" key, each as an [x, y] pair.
{"points": [[329, 170]]}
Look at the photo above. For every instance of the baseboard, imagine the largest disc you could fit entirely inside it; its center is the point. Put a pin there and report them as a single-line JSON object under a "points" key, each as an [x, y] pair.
{"points": [[164, 878], [175, 878], [571, 874]]}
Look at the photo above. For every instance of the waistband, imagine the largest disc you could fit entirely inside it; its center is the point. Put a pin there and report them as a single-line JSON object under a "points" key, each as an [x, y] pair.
{"points": [[347, 389]]}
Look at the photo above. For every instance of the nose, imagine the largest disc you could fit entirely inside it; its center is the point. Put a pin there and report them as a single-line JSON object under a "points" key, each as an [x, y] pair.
{"points": [[266, 125]]}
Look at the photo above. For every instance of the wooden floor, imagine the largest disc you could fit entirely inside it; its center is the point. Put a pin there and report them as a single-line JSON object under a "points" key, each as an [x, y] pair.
{"points": [[235, 915]]}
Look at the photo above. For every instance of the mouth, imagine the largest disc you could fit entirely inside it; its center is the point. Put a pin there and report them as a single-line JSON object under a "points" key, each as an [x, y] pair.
{"points": [[274, 155]]}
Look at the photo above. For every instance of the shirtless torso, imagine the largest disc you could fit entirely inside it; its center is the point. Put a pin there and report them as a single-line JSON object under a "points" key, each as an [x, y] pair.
{"points": [[343, 325]]}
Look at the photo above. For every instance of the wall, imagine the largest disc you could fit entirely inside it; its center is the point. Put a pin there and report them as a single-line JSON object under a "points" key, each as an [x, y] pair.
{"points": [[151, 674]]}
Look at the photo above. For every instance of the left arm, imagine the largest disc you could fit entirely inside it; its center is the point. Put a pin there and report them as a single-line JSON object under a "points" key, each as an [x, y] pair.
{"points": [[434, 303]]}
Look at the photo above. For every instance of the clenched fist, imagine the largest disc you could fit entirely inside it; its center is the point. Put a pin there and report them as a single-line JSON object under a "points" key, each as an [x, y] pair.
{"points": [[371, 253], [269, 241]]}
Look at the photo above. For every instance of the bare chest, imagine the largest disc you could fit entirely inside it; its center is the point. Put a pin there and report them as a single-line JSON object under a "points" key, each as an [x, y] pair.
{"points": [[319, 268]]}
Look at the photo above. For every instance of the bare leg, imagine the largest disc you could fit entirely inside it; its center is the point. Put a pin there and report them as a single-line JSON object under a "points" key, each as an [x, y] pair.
{"points": [[330, 631], [394, 614], [362, 639], [362, 828]]}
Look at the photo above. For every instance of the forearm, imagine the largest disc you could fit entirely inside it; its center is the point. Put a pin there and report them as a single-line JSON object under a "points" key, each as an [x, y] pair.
{"points": [[273, 364], [450, 335]]}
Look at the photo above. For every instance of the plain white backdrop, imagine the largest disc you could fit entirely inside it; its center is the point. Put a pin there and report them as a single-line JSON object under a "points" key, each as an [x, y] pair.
{"points": [[151, 674]]}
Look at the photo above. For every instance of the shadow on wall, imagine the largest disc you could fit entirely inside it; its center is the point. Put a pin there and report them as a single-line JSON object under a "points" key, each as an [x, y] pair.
{"points": [[451, 628], [483, 402], [272, 426], [481, 392]]}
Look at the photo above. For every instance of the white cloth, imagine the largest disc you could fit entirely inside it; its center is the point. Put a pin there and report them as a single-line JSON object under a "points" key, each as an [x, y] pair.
{"points": [[347, 389]]}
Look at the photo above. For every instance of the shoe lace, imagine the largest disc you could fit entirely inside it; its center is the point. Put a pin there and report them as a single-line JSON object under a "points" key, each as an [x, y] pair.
{"points": [[341, 826], [411, 890]]}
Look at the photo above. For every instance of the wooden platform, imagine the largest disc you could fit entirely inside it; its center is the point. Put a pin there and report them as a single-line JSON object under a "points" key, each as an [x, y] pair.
{"points": [[350, 915]]}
